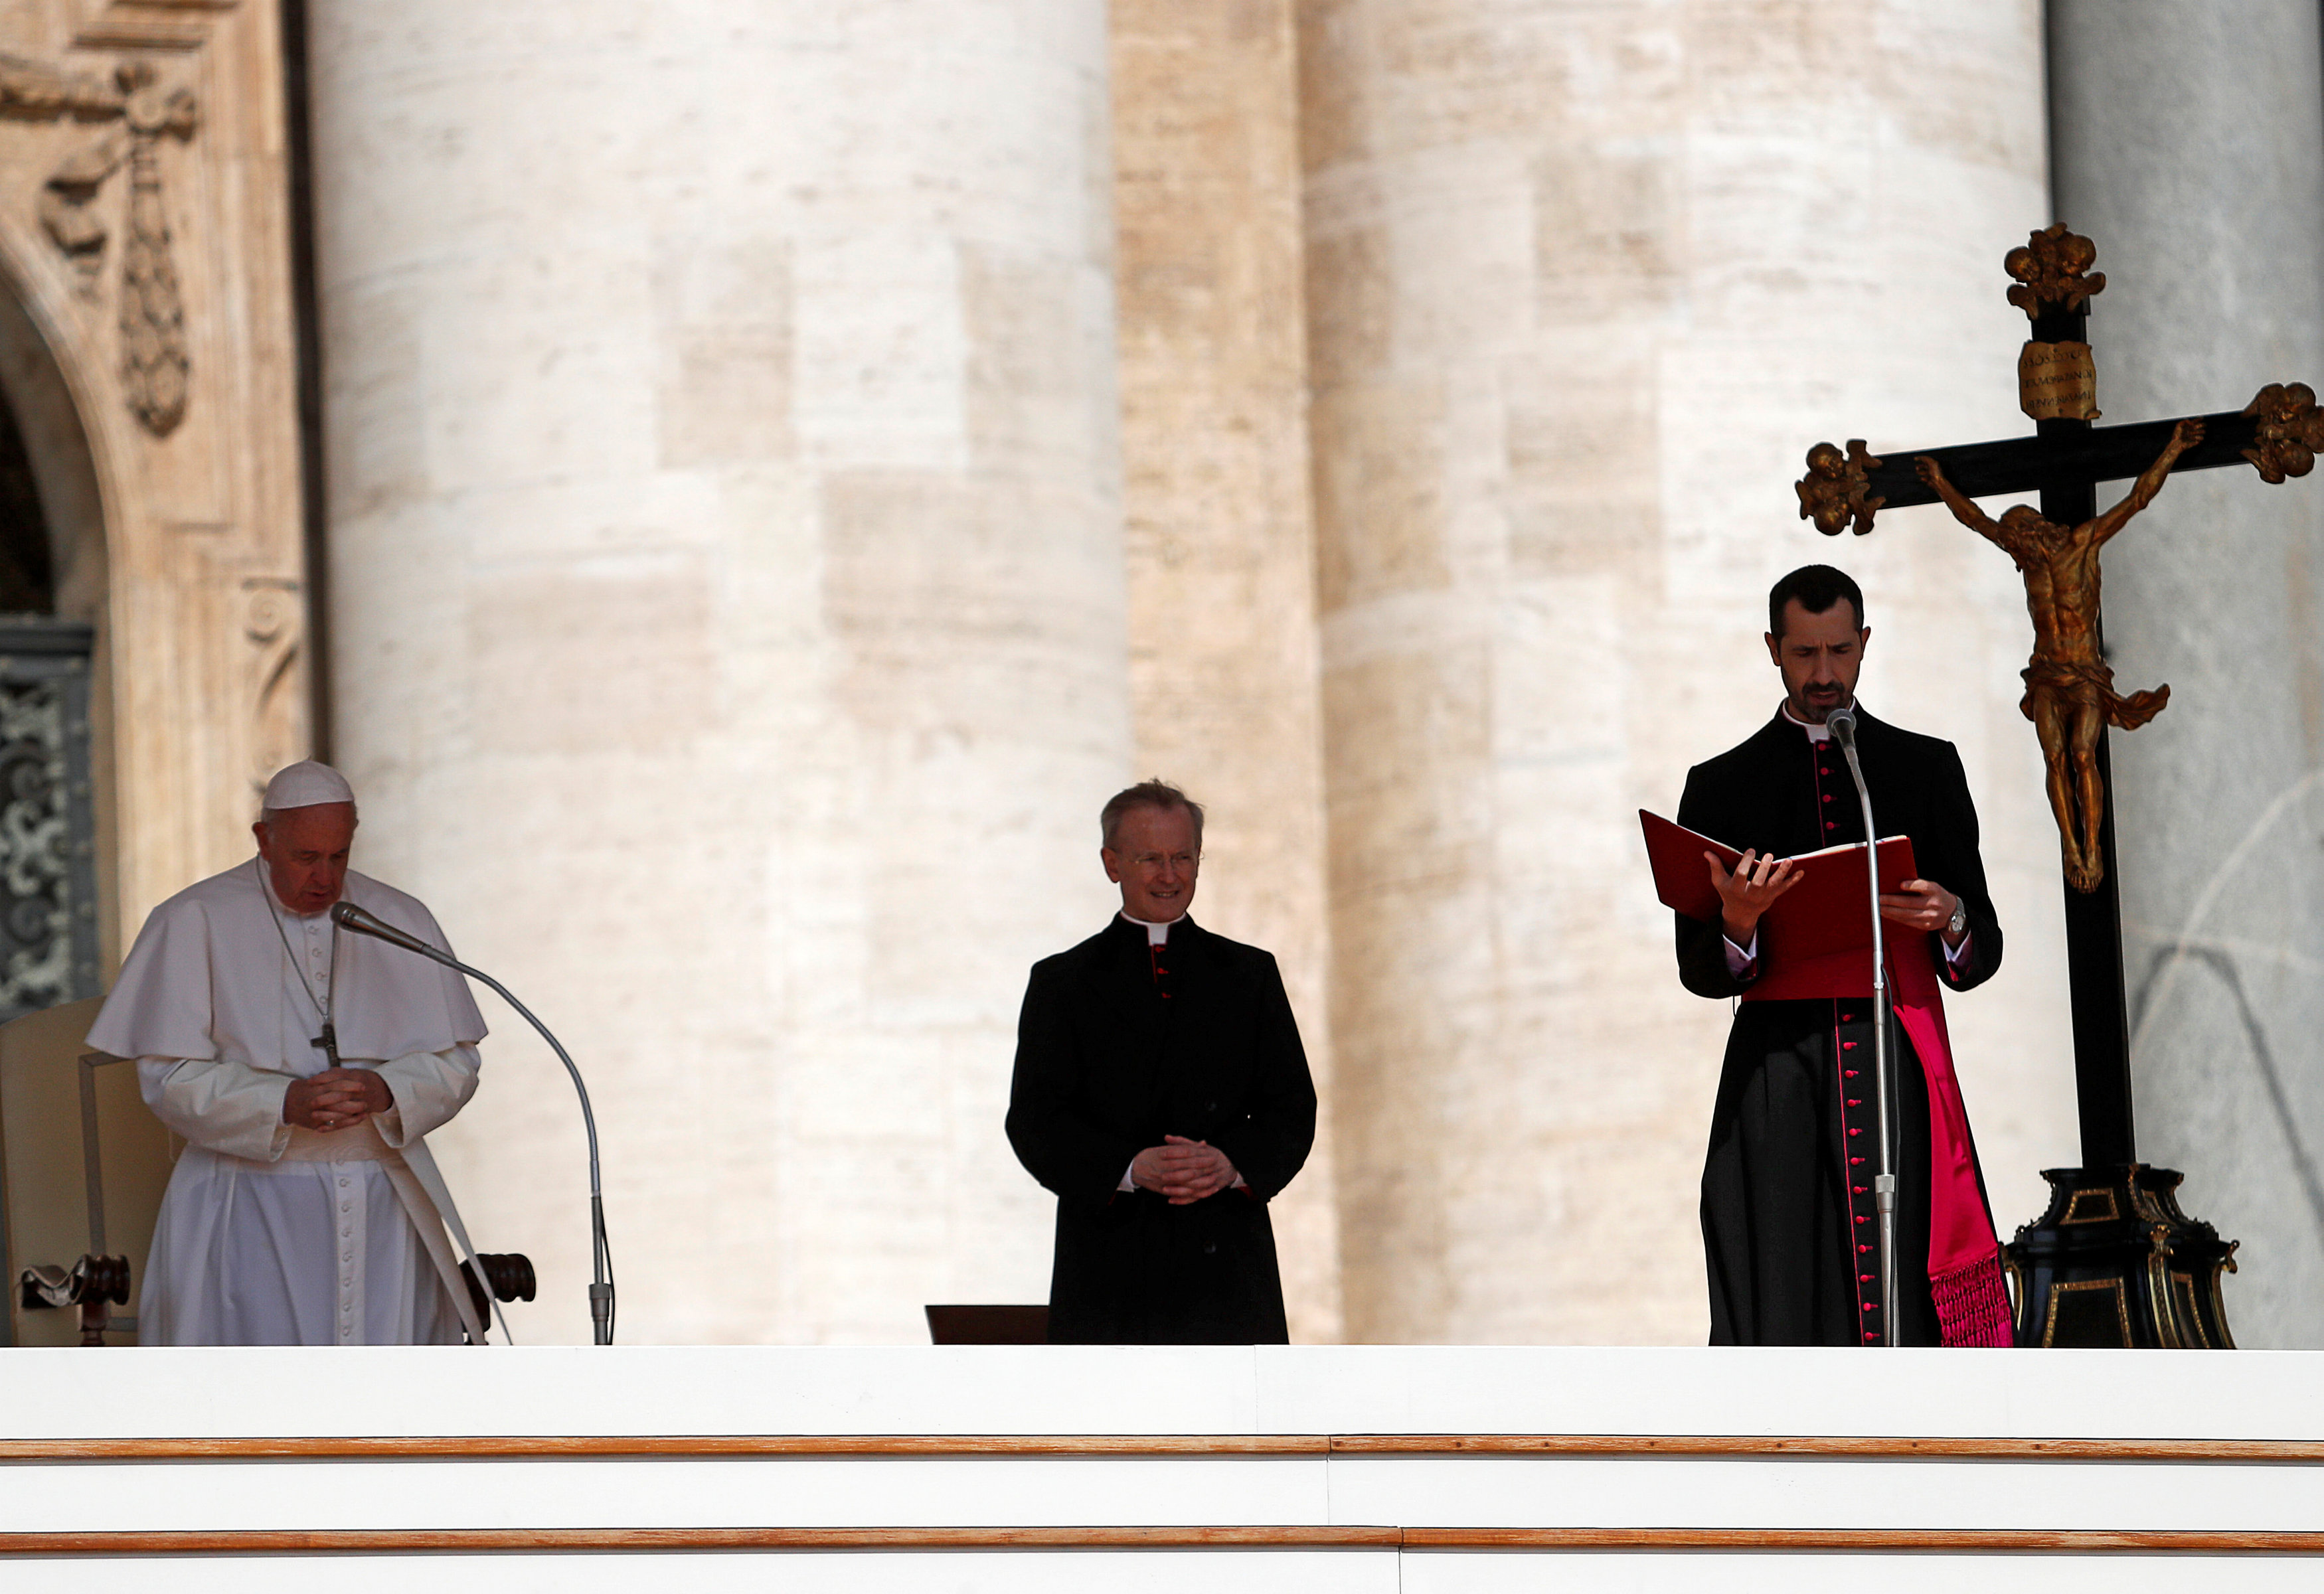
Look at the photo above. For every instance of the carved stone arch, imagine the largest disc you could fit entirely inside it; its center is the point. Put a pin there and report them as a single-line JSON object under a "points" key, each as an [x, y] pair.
{"points": [[148, 336], [49, 406], [58, 446]]}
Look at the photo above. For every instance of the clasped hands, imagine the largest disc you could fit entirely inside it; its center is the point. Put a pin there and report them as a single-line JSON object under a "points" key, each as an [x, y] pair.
{"points": [[1185, 1171], [336, 1099], [1758, 878]]}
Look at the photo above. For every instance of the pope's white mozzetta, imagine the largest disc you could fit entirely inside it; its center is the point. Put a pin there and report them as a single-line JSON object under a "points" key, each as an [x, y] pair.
{"points": [[272, 1232]]}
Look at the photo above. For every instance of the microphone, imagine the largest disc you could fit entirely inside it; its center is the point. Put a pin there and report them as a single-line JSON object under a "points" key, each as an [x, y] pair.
{"points": [[347, 916], [1841, 723]]}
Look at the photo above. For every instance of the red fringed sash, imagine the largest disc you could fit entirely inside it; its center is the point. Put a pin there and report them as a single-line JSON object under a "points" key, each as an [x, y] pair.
{"points": [[1964, 1253]]}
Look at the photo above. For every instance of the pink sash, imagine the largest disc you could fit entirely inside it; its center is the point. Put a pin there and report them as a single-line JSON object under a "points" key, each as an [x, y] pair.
{"points": [[1964, 1254]]}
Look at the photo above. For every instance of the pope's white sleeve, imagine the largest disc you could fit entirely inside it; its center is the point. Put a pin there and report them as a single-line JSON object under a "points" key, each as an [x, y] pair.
{"points": [[218, 1104], [429, 1087]]}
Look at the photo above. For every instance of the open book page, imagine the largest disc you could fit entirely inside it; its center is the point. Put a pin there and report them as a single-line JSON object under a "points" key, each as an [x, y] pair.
{"points": [[1828, 911]]}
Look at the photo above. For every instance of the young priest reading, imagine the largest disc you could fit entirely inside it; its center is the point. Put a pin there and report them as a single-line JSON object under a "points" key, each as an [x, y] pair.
{"points": [[1790, 1233]]}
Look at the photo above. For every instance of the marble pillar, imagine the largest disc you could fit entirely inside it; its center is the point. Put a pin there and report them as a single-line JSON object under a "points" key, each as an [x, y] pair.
{"points": [[728, 600], [1221, 538], [2186, 143], [1583, 284]]}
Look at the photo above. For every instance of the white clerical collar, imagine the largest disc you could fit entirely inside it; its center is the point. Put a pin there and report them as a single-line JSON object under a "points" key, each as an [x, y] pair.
{"points": [[1158, 932], [1816, 733], [274, 903]]}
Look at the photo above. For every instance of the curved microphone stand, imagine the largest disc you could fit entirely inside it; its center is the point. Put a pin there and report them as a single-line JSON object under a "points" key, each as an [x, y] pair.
{"points": [[1841, 723], [347, 916]]}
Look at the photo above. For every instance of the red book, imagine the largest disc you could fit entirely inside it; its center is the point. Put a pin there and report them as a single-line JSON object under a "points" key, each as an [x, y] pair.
{"points": [[1828, 911]]}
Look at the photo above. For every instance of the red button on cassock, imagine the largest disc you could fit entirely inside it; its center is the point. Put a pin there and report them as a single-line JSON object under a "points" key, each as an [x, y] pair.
{"points": [[1861, 1249], [1855, 1131], [1828, 824], [1855, 1162], [1863, 1220]]}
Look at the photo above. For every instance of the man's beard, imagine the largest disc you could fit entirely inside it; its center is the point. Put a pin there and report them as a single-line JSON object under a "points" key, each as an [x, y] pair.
{"points": [[1815, 713]]}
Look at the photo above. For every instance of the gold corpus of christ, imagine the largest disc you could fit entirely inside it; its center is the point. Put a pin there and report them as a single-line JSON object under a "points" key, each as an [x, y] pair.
{"points": [[2070, 694]]}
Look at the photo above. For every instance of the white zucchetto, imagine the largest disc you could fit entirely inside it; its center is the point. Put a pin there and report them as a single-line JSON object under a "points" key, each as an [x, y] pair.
{"points": [[306, 785]]}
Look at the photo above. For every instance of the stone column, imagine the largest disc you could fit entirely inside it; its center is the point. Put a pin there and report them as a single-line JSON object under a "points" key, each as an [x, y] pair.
{"points": [[1585, 282], [2185, 143], [1221, 537], [728, 594]]}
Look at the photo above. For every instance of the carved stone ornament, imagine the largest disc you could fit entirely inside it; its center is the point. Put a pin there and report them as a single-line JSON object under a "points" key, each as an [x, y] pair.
{"points": [[139, 112], [1833, 492], [2290, 431], [274, 625], [2050, 267]]}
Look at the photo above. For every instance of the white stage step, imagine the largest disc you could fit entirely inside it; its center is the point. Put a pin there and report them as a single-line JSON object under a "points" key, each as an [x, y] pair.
{"points": [[1357, 1469]]}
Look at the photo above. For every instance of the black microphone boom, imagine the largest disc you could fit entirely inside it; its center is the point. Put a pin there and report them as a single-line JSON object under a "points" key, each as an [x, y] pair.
{"points": [[347, 916]]}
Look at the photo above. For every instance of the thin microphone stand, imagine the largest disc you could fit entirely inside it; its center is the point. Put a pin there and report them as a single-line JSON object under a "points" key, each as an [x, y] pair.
{"points": [[1842, 725], [601, 1286]]}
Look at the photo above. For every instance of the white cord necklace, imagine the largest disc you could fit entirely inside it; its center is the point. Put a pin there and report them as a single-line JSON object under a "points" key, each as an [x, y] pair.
{"points": [[329, 1039]]}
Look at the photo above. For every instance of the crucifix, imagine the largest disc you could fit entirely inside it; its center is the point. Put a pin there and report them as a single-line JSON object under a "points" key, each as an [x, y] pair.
{"points": [[2113, 1261]]}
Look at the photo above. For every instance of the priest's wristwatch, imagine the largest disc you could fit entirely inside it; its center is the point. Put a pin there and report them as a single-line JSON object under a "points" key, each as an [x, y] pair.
{"points": [[1959, 920]]}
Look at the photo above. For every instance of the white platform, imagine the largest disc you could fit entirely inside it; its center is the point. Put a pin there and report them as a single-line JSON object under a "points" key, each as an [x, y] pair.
{"points": [[1266, 1473]]}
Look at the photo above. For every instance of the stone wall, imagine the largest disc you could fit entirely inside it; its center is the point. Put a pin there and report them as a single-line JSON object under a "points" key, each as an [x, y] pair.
{"points": [[148, 350], [2188, 150], [727, 557], [1218, 536], [1583, 283], [762, 539]]}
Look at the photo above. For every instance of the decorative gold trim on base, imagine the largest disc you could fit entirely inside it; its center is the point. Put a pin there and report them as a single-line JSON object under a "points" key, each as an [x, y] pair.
{"points": [[2094, 1198], [2058, 1291]]}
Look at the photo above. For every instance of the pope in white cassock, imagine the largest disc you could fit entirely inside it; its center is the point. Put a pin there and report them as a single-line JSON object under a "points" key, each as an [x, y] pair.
{"points": [[302, 1065]]}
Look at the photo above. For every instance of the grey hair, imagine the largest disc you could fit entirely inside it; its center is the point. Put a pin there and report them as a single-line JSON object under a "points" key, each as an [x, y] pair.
{"points": [[1147, 794]]}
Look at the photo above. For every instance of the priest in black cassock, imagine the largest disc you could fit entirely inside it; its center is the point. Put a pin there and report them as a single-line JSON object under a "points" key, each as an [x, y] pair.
{"points": [[1162, 1094], [1790, 1232]]}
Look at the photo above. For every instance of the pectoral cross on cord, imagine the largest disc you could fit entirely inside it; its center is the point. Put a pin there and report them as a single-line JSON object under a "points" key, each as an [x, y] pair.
{"points": [[328, 1040]]}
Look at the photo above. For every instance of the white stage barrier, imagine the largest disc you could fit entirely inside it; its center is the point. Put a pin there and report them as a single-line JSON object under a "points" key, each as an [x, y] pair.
{"points": [[1394, 1470]]}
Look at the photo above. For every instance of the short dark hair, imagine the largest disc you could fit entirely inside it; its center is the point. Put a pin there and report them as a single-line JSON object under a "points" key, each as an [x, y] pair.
{"points": [[1147, 794], [1817, 587]]}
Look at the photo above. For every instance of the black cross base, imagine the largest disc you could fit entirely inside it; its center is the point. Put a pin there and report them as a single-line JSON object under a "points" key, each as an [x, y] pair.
{"points": [[2113, 1264], [2114, 1260]]}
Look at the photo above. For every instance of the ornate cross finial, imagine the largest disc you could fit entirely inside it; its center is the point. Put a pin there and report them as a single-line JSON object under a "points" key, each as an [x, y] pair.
{"points": [[2050, 268], [2290, 432], [1833, 492]]}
